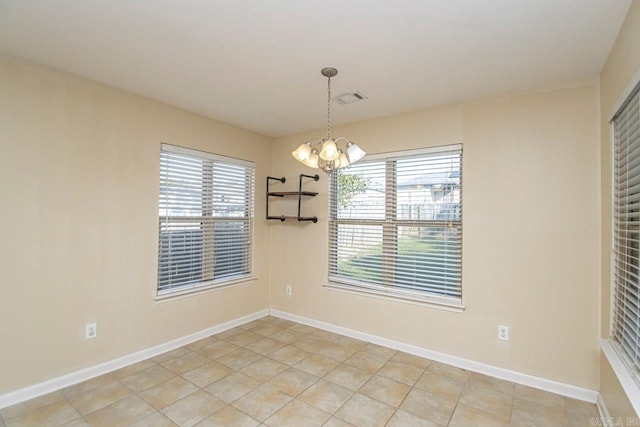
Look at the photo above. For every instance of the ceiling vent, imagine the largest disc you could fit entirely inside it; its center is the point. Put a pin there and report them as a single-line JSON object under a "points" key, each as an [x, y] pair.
{"points": [[350, 98]]}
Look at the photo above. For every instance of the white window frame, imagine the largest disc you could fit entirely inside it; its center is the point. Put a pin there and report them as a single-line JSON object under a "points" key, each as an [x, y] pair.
{"points": [[617, 357], [208, 281], [389, 292]]}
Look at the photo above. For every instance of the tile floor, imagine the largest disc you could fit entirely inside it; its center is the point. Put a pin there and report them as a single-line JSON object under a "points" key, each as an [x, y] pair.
{"points": [[272, 372]]}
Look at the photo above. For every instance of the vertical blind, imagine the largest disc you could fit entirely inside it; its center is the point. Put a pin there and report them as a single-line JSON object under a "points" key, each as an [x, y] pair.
{"points": [[626, 247], [395, 224], [205, 219]]}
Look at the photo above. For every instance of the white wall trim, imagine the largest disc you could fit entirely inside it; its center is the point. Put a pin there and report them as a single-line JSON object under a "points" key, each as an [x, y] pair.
{"points": [[72, 378], [605, 417], [622, 373], [568, 390]]}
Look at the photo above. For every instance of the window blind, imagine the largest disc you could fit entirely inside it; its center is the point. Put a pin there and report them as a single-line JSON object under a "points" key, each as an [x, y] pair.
{"points": [[395, 224], [626, 241], [205, 219]]}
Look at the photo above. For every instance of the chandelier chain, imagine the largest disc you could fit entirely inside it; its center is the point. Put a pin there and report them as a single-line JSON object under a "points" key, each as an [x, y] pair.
{"points": [[328, 107]]}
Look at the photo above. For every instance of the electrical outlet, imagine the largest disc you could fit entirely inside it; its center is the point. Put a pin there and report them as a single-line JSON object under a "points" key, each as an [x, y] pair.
{"points": [[289, 290], [90, 331], [503, 333]]}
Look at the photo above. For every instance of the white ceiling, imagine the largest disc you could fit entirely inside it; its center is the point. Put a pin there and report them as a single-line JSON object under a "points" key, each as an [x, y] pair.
{"points": [[256, 63]]}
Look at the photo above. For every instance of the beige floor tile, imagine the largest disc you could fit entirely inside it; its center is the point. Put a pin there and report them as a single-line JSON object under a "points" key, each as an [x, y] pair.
{"points": [[2, 424], [361, 410], [228, 416], [208, 373], [329, 336], [155, 419], [350, 342], [287, 336], [289, 354], [186, 362], [436, 383], [298, 327], [254, 324], [229, 333], [312, 344], [30, 405], [385, 390], [299, 414], [379, 350], [201, 343], [264, 369], [243, 338], [339, 352], [490, 383], [147, 378], [293, 381], [232, 387], [348, 377], [487, 400], [89, 385], [405, 419], [78, 422], [165, 357], [265, 346], [581, 413], [326, 396], [448, 371], [430, 406], [54, 414], [99, 397], [122, 413], [400, 372], [262, 402], [217, 349], [267, 330], [465, 416], [540, 396], [317, 365], [366, 361], [238, 359], [168, 392], [337, 422], [525, 413], [132, 369], [410, 359], [193, 408]]}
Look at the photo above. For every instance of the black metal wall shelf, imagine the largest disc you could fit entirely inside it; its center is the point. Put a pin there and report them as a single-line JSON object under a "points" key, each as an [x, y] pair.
{"points": [[298, 194]]}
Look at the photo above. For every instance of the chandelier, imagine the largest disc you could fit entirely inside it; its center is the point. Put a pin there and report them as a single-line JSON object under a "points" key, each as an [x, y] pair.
{"points": [[327, 153]]}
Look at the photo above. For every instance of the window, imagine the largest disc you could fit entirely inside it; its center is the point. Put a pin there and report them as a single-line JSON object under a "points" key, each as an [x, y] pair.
{"points": [[626, 241], [205, 220], [395, 225]]}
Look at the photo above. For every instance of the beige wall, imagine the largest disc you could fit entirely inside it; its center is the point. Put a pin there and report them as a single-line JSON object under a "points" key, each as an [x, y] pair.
{"points": [[79, 183], [530, 235], [623, 63]]}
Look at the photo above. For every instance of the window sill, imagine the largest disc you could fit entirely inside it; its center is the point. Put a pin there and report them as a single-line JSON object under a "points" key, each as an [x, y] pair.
{"points": [[627, 382], [432, 302], [189, 292]]}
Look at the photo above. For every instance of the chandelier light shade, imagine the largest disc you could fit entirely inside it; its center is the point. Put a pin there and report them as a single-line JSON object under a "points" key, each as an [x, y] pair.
{"points": [[328, 153]]}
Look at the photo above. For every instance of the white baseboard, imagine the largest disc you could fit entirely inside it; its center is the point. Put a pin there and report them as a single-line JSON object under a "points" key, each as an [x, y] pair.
{"points": [[72, 378], [568, 390], [605, 417]]}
